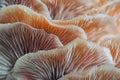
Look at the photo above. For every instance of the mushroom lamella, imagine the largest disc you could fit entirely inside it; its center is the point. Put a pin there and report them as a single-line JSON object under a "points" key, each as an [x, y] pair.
{"points": [[36, 5], [112, 8], [96, 73], [65, 33], [113, 43], [68, 9], [18, 39], [95, 26], [77, 56]]}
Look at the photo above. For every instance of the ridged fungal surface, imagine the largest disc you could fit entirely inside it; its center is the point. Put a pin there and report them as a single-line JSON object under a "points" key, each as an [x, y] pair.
{"points": [[59, 39]]}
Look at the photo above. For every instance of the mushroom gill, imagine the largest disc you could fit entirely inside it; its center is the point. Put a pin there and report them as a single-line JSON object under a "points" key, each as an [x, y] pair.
{"points": [[18, 39], [68, 9], [113, 43], [96, 73], [65, 33], [95, 26], [37, 5], [77, 56], [111, 8], [59, 39]]}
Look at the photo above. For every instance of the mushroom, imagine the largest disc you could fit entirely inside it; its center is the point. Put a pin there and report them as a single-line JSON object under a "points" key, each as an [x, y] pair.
{"points": [[95, 26], [68, 9], [113, 43], [37, 5], [51, 39], [111, 8], [96, 73], [65, 33], [18, 39], [77, 56]]}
